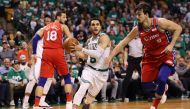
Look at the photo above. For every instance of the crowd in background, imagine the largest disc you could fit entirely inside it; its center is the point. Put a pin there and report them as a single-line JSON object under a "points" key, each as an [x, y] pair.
{"points": [[118, 18]]}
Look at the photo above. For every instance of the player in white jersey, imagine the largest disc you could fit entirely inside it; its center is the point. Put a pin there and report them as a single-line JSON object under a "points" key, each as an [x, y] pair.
{"points": [[95, 73], [34, 75]]}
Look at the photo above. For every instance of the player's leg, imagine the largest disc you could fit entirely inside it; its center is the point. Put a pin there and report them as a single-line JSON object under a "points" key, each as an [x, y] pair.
{"points": [[86, 79], [29, 87], [99, 79], [79, 95], [164, 72], [45, 91], [28, 91], [68, 90], [47, 71], [62, 68]]}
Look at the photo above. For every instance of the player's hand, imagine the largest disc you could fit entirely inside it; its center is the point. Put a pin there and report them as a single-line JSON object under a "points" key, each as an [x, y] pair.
{"points": [[168, 49], [33, 59], [22, 83], [76, 47]]}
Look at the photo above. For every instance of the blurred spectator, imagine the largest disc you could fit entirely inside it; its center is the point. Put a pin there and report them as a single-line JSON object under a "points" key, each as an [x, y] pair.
{"points": [[187, 57], [112, 29], [4, 84], [156, 11], [187, 17], [23, 51], [17, 80], [74, 70], [2, 31], [111, 83], [12, 45], [19, 38], [180, 47], [182, 67], [183, 70], [135, 54], [24, 65], [176, 86], [33, 24], [7, 52], [186, 38], [81, 37]]}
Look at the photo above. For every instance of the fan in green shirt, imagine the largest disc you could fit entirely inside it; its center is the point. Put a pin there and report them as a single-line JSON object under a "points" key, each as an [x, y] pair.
{"points": [[17, 76]]}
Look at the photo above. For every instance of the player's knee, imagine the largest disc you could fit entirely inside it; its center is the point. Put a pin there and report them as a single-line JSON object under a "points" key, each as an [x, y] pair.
{"points": [[67, 78], [42, 81]]}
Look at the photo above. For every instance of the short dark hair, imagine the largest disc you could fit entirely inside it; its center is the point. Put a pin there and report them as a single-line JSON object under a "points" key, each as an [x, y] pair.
{"points": [[94, 19], [59, 13], [145, 7], [47, 16]]}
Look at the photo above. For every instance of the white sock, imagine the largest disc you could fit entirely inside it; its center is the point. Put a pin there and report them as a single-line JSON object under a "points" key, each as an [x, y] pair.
{"points": [[42, 99], [26, 98], [28, 90], [46, 89]]}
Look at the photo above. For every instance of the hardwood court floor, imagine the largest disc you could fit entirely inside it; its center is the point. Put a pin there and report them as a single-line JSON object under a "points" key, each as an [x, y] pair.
{"points": [[170, 104]]}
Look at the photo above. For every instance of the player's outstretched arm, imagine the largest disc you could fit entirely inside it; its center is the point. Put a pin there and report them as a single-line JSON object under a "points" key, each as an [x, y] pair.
{"points": [[66, 31], [171, 26], [132, 34]]}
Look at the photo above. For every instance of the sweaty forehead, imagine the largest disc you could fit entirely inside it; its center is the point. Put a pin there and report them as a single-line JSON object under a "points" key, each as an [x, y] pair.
{"points": [[95, 22]]}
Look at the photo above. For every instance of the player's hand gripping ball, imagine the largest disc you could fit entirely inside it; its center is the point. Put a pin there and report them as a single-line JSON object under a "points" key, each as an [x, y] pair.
{"points": [[68, 43]]}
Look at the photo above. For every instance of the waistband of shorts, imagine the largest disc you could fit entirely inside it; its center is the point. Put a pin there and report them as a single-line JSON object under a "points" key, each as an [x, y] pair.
{"points": [[102, 70]]}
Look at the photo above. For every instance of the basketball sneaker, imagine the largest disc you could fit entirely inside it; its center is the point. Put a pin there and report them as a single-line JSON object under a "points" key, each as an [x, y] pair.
{"points": [[45, 105], [25, 105], [152, 107], [69, 105]]}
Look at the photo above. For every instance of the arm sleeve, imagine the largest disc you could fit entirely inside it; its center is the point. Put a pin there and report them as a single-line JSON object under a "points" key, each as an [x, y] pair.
{"points": [[35, 42], [94, 53]]}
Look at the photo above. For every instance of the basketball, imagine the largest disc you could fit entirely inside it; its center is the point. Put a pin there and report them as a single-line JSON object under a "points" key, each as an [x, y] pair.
{"points": [[68, 43]]}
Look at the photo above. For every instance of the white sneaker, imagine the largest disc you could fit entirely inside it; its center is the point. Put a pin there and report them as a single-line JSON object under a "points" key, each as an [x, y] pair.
{"points": [[45, 105], [37, 107], [164, 96], [152, 107], [69, 105], [12, 103], [25, 105]]}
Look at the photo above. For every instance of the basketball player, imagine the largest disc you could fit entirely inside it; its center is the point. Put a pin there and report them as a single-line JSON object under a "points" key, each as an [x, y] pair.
{"points": [[34, 74], [53, 56], [95, 73], [158, 59]]}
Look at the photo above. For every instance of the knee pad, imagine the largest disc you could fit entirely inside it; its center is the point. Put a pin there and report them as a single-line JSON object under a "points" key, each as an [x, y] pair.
{"points": [[67, 78], [161, 87], [42, 81], [149, 87]]}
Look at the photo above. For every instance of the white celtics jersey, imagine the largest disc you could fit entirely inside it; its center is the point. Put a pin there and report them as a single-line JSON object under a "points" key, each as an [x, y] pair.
{"points": [[92, 44], [39, 48]]}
